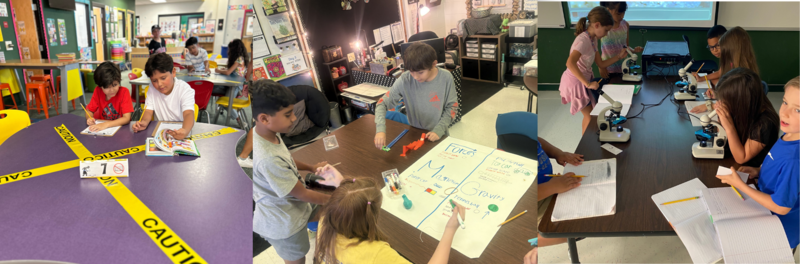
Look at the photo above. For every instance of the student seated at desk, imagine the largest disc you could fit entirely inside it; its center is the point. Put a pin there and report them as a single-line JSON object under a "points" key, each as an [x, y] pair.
{"points": [[429, 94], [110, 102], [348, 229], [237, 56], [169, 98], [747, 116], [547, 186], [713, 36], [283, 204], [779, 179], [244, 157], [196, 58]]}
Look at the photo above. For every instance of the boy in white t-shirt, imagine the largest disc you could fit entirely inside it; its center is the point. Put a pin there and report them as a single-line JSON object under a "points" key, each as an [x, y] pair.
{"points": [[169, 98]]}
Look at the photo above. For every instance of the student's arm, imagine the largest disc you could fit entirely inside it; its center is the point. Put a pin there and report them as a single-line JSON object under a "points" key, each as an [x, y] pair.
{"points": [[300, 192], [124, 120], [714, 75], [760, 197], [449, 113], [187, 105], [388, 101], [560, 156], [207, 68], [90, 118], [598, 59], [146, 118], [558, 185], [229, 70], [442, 253], [306, 167], [572, 66]]}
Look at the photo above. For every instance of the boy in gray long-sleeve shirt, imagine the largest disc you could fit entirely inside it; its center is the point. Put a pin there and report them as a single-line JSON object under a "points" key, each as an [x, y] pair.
{"points": [[428, 92]]}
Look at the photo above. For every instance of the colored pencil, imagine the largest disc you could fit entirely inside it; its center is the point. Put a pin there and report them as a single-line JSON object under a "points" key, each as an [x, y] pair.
{"points": [[559, 175], [681, 200], [515, 217], [737, 192]]}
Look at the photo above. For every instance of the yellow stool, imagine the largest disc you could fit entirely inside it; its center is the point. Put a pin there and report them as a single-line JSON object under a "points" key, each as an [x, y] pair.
{"points": [[137, 71], [238, 106], [212, 64], [12, 121]]}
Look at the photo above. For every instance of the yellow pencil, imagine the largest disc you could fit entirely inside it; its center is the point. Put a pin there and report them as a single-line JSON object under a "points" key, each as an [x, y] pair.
{"points": [[334, 165], [87, 111], [737, 192], [515, 217], [559, 175], [681, 200], [140, 117], [701, 67]]}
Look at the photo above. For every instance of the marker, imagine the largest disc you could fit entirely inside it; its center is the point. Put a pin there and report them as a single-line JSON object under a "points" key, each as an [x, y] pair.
{"points": [[682, 200], [396, 180], [737, 192], [559, 175], [515, 217], [460, 221], [391, 186]]}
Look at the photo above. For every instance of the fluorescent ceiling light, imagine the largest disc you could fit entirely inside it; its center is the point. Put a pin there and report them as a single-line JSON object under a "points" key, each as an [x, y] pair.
{"points": [[158, 1]]}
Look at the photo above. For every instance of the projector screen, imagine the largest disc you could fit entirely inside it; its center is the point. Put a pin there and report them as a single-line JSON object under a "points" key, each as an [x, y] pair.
{"points": [[657, 13]]}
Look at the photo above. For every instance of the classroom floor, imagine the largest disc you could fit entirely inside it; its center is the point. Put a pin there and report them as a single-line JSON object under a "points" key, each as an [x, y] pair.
{"points": [[561, 129], [476, 126]]}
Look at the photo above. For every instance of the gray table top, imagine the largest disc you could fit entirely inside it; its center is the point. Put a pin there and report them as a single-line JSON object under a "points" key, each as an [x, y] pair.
{"points": [[217, 79], [207, 200]]}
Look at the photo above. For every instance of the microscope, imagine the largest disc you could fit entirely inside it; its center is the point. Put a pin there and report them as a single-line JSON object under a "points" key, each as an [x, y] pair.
{"points": [[712, 139], [688, 85], [610, 126], [628, 65]]}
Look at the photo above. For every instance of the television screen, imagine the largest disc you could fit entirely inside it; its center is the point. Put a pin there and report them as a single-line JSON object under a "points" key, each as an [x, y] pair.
{"points": [[63, 4]]}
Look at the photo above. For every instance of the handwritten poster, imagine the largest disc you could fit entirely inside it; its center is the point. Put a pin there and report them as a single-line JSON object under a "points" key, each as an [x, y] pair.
{"points": [[275, 67], [293, 63], [62, 31], [487, 182]]}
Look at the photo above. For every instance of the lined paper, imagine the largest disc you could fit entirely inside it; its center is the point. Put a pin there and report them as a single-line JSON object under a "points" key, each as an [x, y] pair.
{"points": [[597, 195], [754, 240], [105, 132], [700, 238], [723, 203]]}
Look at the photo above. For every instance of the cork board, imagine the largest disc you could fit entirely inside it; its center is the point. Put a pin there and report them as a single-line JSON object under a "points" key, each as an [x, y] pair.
{"points": [[26, 33]]}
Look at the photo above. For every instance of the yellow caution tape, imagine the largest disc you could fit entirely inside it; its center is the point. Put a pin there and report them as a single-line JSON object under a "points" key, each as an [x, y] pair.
{"points": [[214, 133], [9, 178], [72, 142], [165, 238], [116, 154]]}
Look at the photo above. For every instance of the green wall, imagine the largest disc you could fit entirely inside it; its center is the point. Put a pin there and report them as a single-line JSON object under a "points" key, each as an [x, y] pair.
{"points": [[123, 4], [777, 52], [9, 35]]}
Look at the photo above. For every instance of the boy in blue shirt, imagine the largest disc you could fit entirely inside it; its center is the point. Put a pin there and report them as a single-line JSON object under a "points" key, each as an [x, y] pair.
{"points": [[779, 181], [547, 186]]}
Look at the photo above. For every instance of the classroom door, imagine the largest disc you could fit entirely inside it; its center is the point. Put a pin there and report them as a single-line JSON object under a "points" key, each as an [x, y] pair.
{"points": [[24, 20], [98, 27]]}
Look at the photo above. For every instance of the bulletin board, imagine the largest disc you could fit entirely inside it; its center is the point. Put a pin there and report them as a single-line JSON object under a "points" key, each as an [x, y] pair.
{"points": [[169, 24]]}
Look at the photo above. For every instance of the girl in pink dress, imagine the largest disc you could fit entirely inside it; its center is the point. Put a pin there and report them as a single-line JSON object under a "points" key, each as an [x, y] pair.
{"points": [[576, 86]]}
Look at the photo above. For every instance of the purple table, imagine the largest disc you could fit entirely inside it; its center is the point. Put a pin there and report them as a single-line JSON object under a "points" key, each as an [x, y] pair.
{"points": [[207, 200]]}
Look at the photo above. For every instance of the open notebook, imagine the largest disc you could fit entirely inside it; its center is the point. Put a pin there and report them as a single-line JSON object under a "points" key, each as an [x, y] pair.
{"points": [[105, 132], [621, 93], [597, 195], [721, 225]]}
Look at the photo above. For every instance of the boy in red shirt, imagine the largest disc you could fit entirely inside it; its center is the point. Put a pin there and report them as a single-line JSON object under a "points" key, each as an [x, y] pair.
{"points": [[110, 102]]}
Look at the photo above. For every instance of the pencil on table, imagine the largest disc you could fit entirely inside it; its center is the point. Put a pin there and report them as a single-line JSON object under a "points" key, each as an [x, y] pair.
{"points": [[559, 175], [681, 200], [515, 217]]}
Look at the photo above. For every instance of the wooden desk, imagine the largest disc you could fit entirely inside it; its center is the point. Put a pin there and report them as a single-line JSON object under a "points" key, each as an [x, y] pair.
{"points": [[360, 158], [69, 69], [658, 157]]}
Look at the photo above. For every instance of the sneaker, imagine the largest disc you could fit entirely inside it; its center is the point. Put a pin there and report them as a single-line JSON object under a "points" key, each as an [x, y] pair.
{"points": [[245, 163]]}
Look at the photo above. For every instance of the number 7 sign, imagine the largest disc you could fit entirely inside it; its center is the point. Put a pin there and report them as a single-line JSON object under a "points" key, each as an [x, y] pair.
{"points": [[104, 168]]}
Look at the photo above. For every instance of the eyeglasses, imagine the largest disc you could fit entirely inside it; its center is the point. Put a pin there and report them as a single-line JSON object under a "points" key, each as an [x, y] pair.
{"points": [[712, 47]]}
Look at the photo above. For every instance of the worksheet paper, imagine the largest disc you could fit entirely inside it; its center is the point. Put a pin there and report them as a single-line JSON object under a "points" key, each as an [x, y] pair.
{"points": [[597, 195], [690, 220], [696, 117], [754, 240], [368, 90], [398, 34], [105, 132], [383, 34], [621, 93], [486, 181]]}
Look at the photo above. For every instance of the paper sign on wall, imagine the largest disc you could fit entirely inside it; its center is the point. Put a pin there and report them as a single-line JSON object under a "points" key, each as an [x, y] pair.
{"points": [[21, 27], [3, 10], [104, 168], [51, 32], [260, 47], [9, 45], [293, 63], [62, 28]]}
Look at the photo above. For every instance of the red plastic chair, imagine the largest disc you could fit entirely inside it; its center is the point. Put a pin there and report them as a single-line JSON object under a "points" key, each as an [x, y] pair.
{"points": [[202, 95], [178, 65]]}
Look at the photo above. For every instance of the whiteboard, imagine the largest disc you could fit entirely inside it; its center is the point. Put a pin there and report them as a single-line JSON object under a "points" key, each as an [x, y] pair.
{"points": [[780, 16], [551, 15]]}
